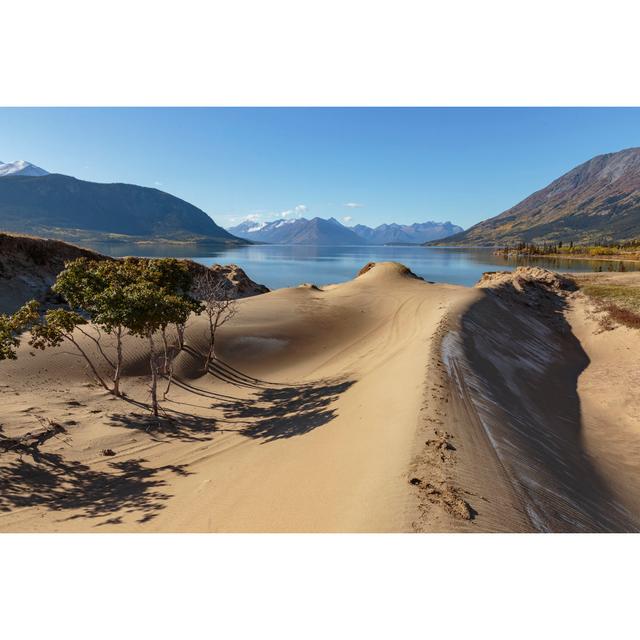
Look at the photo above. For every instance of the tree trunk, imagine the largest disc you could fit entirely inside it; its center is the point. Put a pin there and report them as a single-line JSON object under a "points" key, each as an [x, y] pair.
{"points": [[209, 357], [168, 365], [154, 376], [212, 350], [169, 381], [180, 328], [118, 370], [91, 365], [212, 337], [165, 366]]}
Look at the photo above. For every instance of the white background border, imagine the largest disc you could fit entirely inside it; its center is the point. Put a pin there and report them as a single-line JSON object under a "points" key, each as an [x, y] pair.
{"points": [[310, 52], [279, 52]]}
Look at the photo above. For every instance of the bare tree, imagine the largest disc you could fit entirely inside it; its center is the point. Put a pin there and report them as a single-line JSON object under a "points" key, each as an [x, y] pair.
{"points": [[220, 305]]}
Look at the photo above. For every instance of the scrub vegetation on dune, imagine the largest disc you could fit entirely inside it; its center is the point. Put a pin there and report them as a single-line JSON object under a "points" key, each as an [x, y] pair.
{"points": [[134, 296]]}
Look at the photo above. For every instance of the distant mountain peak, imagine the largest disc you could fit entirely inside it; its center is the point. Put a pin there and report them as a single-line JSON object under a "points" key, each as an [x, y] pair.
{"points": [[597, 201], [332, 231], [317, 231], [416, 233], [21, 168]]}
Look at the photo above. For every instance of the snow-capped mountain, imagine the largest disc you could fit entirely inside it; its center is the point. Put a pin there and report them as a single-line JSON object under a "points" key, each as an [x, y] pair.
{"points": [[333, 232], [316, 231], [415, 233], [20, 168], [254, 230]]}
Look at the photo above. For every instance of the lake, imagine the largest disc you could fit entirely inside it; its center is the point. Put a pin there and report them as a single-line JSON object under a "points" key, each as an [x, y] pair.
{"points": [[279, 266]]}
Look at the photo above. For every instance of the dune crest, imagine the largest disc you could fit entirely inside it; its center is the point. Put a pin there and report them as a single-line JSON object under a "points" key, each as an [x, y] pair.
{"points": [[388, 270]]}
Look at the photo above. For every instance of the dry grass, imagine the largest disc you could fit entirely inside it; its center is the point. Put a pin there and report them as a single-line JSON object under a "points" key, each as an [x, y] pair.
{"points": [[625, 296], [623, 316], [621, 303]]}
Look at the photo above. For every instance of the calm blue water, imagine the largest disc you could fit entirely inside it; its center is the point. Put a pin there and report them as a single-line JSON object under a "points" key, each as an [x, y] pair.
{"points": [[286, 265]]}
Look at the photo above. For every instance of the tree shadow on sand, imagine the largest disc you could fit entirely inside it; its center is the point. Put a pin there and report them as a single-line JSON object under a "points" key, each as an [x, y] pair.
{"points": [[172, 425], [273, 411], [60, 485], [226, 373], [274, 414], [269, 414]]}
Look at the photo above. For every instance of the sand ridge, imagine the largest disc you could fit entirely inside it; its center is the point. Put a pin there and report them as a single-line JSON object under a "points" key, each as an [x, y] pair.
{"points": [[527, 392]]}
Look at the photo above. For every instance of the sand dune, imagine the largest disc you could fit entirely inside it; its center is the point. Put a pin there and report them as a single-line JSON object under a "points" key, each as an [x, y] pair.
{"points": [[381, 404], [518, 361]]}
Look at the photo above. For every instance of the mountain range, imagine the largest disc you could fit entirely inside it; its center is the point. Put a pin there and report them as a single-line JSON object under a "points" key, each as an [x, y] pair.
{"points": [[597, 201], [332, 232], [57, 206], [415, 233], [297, 231]]}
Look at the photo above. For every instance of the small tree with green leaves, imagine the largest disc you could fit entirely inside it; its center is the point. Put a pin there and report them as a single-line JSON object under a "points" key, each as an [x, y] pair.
{"points": [[159, 297], [97, 289], [11, 326], [134, 295]]}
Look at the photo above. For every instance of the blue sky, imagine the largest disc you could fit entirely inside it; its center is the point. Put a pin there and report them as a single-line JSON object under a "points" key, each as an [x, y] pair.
{"points": [[362, 165]]}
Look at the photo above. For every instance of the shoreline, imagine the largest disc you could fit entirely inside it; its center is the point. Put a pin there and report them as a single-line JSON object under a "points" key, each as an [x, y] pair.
{"points": [[560, 256]]}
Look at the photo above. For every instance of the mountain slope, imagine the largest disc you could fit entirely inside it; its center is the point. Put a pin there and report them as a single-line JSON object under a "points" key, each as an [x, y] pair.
{"points": [[20, 168], [64, 207], [597, 201], [417, 233], [298, 231], [29, 266]]}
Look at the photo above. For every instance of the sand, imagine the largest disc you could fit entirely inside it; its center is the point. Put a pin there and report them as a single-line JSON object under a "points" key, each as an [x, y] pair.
{"points": [[354, 408], [549, 433]]}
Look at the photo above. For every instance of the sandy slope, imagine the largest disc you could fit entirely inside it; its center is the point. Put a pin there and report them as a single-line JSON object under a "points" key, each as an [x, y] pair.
{"points": [[546, 408], [609, 389], [381, 404], [322, 440]]}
